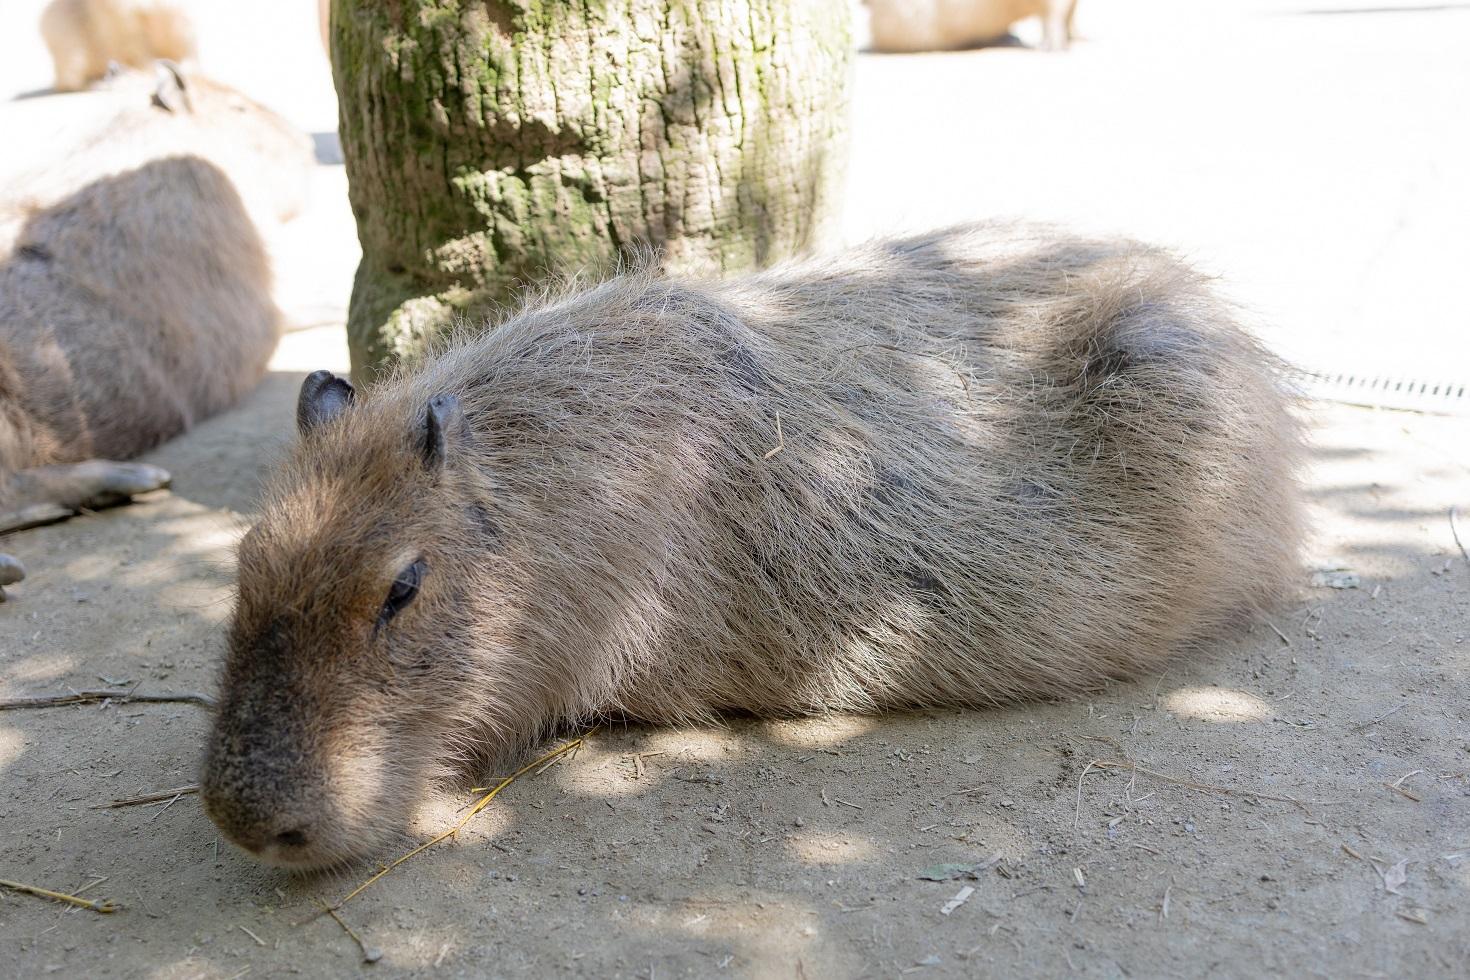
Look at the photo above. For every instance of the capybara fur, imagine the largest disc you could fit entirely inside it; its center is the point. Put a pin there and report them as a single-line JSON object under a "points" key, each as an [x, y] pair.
{"points": [[945, 25], [129, 310], [132, 117], [959, 469], [85, 37]]}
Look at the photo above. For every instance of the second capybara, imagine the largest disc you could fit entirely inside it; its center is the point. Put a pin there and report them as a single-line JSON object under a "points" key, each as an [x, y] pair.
{"points": [[964, 468], [86, 37], [945, 25], [135, 287]]}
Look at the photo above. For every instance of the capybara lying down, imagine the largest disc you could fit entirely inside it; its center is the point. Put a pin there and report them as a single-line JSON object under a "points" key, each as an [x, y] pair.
{"points": [[135, 300], [86, 36], [944, 25], [962, 469], [132, 117]]}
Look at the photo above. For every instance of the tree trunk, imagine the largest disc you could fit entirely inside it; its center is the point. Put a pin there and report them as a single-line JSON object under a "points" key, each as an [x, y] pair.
{"points": [[491, 142]]}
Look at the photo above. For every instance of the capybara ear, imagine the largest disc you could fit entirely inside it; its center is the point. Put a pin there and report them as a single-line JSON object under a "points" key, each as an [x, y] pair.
{"points": [[323, 397], [170, 91], [445, 427]]}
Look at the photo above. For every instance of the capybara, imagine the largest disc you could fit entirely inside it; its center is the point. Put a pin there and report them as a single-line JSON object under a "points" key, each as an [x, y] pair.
{"points": [[131, 117], [86, 36], [135, 294], [961, 469], [944, 25]]}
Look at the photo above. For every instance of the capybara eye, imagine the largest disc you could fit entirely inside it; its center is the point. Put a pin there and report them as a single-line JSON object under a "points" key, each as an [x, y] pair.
{"points": [[405, 588]]}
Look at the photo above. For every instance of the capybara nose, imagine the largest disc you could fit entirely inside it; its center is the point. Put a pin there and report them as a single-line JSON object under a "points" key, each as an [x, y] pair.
{"points": [[295, 837]]}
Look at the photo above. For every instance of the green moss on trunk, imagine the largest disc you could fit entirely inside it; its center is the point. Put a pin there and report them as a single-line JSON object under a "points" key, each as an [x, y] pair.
{"points": [[491, 143]]}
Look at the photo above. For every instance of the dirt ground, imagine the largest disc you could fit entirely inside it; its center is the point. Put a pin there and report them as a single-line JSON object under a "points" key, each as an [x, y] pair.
{"points": [[1299, 801]]}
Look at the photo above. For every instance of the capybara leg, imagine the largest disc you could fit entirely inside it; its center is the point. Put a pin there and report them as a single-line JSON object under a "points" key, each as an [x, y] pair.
{"points": [[1056, 24], [11, 571], [47, 493], [32, 515]]}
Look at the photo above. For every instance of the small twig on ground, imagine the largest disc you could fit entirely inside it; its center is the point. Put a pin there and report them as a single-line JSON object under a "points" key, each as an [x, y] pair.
{"points": [[1403, 792], [1106, 740], [1398, 786], [1134, 767], [370, 954], [1369, 724], [1455, 530], [1400, 780], [483, 802], [258, 940], [1284, 638], [91, 697], [168, 794], [160, 811], [1077, 817], [96, 880], [102, 905]]}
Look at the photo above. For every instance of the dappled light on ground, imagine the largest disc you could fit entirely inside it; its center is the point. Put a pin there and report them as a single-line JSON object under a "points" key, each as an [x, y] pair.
{"points": [[823, 847], [609, 771], [1216, 704], [22, 671], [823, 733], [12, 744]]}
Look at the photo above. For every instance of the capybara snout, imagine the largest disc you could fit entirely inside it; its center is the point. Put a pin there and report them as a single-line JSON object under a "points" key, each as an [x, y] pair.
{"points": [[959, 469], [299, 769]]}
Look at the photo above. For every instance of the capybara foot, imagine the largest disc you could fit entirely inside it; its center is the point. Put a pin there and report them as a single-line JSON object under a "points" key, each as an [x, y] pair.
{"points": [[33, 515], [103, 482], [11, 571], [95, 483]]}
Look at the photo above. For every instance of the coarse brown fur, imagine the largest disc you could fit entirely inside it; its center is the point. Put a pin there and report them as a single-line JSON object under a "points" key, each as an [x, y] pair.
{"points": [[944, 25], [965, 468], [129, 310], [86, 36]]}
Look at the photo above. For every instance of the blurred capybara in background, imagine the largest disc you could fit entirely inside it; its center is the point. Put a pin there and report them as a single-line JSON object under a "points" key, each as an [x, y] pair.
{"points": [[86, 36], [964, 468], [135, 290], [134, 116], [944, 25]]}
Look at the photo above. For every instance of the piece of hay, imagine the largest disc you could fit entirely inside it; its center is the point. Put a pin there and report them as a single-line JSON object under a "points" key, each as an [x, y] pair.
{"points": [[121, 697], [1134, 767], [102, 905], [168, 794], [961, 897], [483, 802]]}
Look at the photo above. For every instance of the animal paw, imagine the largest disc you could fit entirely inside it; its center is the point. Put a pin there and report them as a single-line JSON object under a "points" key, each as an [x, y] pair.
{"points": [[11, 571], [103, 482]]}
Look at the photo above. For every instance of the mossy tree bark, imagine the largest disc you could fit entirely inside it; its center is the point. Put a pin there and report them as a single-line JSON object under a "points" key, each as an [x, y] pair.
{"points": [[491, 142]]}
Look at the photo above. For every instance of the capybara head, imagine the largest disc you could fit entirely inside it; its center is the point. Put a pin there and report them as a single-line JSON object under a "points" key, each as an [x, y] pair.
{"points": [[348, 672]]}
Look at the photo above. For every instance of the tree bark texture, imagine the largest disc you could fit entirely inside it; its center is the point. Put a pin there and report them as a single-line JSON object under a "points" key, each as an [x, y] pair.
{"points": [[489, 143]]}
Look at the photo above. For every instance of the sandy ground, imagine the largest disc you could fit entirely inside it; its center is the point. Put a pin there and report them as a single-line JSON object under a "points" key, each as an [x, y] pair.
{"points": [[1328, 190]]}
